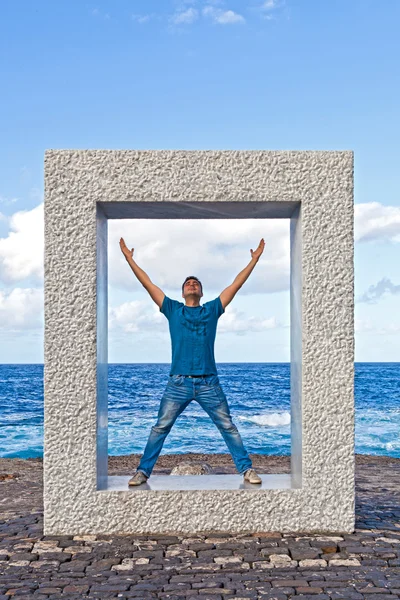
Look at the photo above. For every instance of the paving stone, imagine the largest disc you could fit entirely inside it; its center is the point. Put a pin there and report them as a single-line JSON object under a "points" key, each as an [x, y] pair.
{"points": [[205, 567], [345, 594], [372, 590], [331, 585], [343, 562], [215, 552], [289, 582], [359, 549], [235, 566], [288, 591], [100, 565], [45, 546], [318, 562], [242, 596], [262, 587], [171, 587], [45, 565], [312, 597], [302, 554], [373, 562], [216, 591], [274, 595], [326, 547], [268, 551], [246, 576], [380, 597], [260, 565], [76, 565], [250, 557], [78, 549], [206, 584], [309, 590], [221, 560], [20, 591], [150, 587], [106, 587], [76, 589], [282, 560]]}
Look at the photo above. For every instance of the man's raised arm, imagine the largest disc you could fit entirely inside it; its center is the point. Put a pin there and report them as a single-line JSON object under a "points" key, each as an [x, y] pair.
{"points": [[154, 291], [228, 294]]}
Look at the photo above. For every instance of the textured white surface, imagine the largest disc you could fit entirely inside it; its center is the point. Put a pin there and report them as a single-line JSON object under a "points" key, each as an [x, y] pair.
{"points": [[82, 190], [200, 482]]}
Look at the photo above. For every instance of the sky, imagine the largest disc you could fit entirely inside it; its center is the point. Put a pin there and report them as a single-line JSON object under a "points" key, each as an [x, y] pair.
{"points": [[200, 75]]}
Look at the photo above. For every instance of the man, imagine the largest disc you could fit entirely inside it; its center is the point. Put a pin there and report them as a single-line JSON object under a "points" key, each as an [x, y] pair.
{"points": [[193, 373]]}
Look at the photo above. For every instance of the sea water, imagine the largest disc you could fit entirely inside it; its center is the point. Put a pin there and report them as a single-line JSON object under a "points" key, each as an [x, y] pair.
{"points": [[258, 395]]}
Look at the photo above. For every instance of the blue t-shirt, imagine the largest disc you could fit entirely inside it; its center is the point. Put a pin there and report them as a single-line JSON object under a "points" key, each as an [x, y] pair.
{"points": [[192, 330]]}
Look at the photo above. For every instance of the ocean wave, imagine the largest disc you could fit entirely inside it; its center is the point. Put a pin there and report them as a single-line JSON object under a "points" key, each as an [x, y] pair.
{"points": [[268, 419], [392, 445]]}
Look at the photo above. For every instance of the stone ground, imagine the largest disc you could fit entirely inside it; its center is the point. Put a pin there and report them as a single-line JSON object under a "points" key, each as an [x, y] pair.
{"points": [[261, 565]]}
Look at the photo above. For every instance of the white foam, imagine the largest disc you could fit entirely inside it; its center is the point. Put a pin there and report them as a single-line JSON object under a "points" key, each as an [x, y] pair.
{"points": [[269, 419]]}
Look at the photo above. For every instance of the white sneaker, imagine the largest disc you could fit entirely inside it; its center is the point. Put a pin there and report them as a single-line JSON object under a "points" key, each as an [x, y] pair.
{"points": [[138, 478], [251, 476]]}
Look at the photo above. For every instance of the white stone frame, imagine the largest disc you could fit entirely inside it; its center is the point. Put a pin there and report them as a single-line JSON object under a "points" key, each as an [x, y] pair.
{"points": [[84, 188]]}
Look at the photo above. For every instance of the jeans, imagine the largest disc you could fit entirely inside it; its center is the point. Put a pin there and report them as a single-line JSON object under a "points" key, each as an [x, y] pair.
{"points": [[178, 394]]}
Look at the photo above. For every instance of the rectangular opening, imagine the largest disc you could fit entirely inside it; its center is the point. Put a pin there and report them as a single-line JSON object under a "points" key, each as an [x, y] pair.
{"points": [[264, 411]]}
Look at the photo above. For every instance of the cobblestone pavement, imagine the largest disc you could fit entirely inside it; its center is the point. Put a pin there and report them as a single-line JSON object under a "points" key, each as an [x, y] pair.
{"points": [[261, 565]]}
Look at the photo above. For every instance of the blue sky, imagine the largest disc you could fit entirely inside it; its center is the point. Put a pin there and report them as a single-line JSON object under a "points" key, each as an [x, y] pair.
{"points": [[265, 74]]}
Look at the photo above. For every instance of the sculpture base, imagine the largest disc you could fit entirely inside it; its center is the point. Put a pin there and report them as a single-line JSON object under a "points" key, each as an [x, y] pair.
{"points": [[198, 482]]}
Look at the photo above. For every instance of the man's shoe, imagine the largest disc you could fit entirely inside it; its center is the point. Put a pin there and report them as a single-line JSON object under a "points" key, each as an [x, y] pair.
{"points": [[251, 476], [138, 478]]}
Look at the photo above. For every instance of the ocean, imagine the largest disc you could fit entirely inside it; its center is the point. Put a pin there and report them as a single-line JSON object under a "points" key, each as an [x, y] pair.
{"points": [[258, 395]]}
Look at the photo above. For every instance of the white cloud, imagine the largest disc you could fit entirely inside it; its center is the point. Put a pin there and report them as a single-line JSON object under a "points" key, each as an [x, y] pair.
{"points": [[7, 201], [268, 7], [234, 321], [363, 326], [96, 12], [366, 326], [375, 292], [135, 316], [185, 16], [21, 308], [21, 253], [268, 4], [141, 18], [374, 221], [214, 250], [222, 17]]}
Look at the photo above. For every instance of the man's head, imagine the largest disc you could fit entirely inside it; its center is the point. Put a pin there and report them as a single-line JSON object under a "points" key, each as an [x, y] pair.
{"points": [[192, 286]]}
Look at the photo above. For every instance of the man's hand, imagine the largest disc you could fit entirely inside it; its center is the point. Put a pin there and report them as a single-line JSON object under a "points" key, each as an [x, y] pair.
{"points": [[257, 253], [125, 250]]}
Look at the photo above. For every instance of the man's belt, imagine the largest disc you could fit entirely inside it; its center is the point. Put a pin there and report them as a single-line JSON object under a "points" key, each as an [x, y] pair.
{"points": [[193, 376]]}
